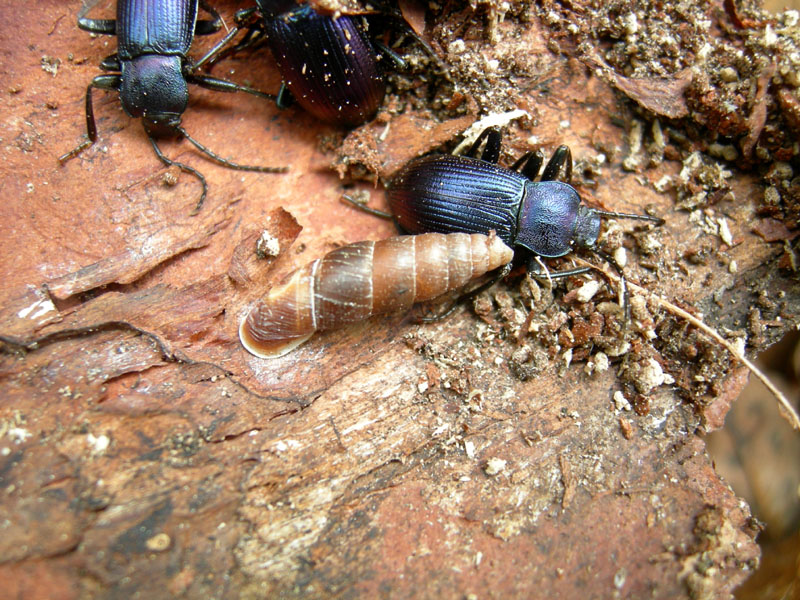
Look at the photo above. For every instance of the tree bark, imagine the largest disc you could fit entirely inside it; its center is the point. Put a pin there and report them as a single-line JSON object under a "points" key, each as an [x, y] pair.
{"points": [[143, 450]]}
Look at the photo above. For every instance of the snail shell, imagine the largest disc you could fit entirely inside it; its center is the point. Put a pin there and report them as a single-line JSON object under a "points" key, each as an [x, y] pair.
{"points": [[359, 280]]}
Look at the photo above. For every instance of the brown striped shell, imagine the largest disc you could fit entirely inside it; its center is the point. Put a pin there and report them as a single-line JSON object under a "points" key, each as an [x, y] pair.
{"points": [[357, 281]]}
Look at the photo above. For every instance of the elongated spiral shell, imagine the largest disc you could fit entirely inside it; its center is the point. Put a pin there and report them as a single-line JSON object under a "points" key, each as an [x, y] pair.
{"points": [[363, 279]]}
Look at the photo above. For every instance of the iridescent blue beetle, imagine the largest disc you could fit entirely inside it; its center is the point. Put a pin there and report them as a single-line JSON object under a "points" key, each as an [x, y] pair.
{"points": [[329, 65], [151, 72], [545, 218]]}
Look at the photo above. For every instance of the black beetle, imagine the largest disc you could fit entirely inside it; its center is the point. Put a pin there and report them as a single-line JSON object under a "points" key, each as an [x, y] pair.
{"points": [[545, 218], [328, 64], [474, 195], [150, 70]]}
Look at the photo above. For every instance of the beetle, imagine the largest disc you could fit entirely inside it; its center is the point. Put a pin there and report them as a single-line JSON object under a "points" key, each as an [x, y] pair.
{"points": [[359, 280], [328, 64], [151, 70], [544, 218]]}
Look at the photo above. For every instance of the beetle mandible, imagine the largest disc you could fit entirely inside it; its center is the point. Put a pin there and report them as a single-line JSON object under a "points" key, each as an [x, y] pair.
{"points": [[150, 71]]}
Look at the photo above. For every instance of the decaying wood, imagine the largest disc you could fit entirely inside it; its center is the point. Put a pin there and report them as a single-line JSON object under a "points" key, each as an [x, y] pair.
{"points": [[143, 450]]}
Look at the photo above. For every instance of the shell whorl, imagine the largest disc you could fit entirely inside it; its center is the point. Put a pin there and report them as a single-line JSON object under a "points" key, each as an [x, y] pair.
{"points": [[359, 280]]}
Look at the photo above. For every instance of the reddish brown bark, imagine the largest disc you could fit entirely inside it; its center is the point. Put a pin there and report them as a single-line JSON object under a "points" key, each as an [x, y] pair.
{"points": [[144, 450]]}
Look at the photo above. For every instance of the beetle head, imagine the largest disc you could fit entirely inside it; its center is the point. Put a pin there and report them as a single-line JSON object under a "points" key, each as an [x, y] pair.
{"points": [[161, 125], [154, 89], [587, 227]]}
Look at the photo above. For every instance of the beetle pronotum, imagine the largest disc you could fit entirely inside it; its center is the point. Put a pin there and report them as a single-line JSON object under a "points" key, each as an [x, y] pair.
{"points": [[359, 280]]}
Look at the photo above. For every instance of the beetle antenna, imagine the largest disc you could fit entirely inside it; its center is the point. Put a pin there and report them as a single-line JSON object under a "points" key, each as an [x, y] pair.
{"points": [[606, 213], [225, 162], [187, 169], [362, 206]]}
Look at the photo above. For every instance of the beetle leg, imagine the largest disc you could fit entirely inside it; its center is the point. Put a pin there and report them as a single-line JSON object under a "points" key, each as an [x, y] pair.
{"points": [[99, 26], [396, 58], [222, 85], [522, 159], [111, 63], [396, 20], [491, 153], [531, 168], [222, 48], [204, 26], [254, 38], [623, 285], [534, 264], [186, 168], [535, 269], [501, 273], [207, 27], [531, 163], [473, 150], [538, 270], [244, 15], [225, 161], [562, 157], [285, 98], [561, 274], [215, 53], [103, 82]]}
